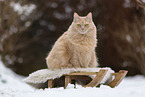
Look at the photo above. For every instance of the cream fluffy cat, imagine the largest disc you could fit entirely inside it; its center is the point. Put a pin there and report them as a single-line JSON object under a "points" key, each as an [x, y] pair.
{"points": [[76, 47]]}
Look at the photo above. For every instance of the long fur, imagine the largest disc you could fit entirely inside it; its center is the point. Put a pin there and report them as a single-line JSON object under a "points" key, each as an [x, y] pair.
{"points": [[41, 76], [76, 47]]}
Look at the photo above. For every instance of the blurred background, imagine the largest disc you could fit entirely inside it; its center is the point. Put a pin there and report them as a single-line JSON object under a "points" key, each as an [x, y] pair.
{"points": [[29, 28]]}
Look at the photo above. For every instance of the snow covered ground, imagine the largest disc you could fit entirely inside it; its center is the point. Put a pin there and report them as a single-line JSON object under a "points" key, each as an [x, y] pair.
{"points": [[11, 85]]}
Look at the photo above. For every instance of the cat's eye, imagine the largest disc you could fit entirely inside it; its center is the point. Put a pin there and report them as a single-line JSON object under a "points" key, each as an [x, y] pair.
{"points": [[79, 25], [86, 24]]}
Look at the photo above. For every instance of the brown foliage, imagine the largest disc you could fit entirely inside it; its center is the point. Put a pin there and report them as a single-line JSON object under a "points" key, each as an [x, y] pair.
{"points": [[123, 42], [25, 40]]}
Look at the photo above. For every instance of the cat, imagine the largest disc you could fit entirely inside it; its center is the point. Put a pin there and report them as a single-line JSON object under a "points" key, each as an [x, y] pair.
{"points": [[76, 47]]}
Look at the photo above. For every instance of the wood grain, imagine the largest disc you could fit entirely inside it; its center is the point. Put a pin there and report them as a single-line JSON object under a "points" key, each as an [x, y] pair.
{"points": [[96, 81], [119, 77], [50, 83]]}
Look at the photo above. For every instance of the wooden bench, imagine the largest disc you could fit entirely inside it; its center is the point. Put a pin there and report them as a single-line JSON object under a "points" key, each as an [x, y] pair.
{"points": [[113, 82]]}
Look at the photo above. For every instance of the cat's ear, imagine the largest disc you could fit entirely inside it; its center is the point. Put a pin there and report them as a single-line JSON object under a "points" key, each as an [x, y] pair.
{"points": [[76, 17], [89, 17]]}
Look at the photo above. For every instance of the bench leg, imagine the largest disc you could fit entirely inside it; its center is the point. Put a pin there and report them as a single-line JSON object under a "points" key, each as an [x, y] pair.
{"points": [[96, 81], [119, 77], [50, 83], [67, 81]]}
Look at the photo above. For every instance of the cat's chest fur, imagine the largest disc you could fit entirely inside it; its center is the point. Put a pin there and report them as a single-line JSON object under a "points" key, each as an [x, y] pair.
{"points": [[80, 55], [80, 50], [76, 47]]}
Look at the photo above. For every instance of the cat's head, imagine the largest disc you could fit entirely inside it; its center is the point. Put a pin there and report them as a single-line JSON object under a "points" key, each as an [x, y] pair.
{"points": [[83, 24]]}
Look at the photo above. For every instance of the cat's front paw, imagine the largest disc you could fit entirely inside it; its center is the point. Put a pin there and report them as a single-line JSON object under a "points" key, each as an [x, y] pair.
{"points": [[69, 66]]}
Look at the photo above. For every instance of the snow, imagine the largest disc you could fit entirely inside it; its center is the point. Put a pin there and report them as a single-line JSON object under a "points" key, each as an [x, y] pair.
{"points": [[59, 15], [143, 1], [143, 49], [11, 85], [54, 5], [26, 9], [128, 38], [126, 3]]}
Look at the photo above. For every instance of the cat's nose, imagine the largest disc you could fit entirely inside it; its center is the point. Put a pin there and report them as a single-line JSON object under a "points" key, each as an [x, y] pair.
{"points": [[83, 28]]}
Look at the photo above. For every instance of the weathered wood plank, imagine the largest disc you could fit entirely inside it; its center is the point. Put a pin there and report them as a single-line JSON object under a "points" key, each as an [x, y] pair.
{"points": [[96, 81], [82, 73], [77, 77], [114, 74], [50, 83], [67, 81], [119, 77]]}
